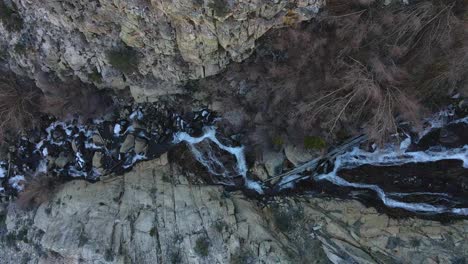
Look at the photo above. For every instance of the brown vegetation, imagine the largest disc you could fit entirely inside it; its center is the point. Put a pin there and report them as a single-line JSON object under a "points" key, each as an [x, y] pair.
{"points": [[18, 106], [38, 189], [22, 103], [359, 67], [65, 99]]}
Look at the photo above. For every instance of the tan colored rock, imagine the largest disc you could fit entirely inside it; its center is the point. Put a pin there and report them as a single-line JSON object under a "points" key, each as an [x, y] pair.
{"points": [[273, 162], [97, 140], [298, 155], [141, 217], [97, 159], [140, 145], [163, 160]]}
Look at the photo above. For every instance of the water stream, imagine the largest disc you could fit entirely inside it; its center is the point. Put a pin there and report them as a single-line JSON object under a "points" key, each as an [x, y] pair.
{"points": [[424, 173]]}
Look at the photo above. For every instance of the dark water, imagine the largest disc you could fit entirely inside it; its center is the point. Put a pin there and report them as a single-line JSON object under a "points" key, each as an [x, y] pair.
{"points": [[425, 175]]}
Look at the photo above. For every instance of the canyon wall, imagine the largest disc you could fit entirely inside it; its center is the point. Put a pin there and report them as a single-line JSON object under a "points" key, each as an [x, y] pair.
{"points": [[152, 47]]}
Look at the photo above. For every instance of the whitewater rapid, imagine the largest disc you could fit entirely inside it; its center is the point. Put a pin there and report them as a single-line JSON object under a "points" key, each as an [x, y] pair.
{"points": [[394, 155], [397, 156], [358, 157], [213, 162]]}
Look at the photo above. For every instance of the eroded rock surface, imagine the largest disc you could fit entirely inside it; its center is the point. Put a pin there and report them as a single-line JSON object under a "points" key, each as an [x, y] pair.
{"points": [[173, 41], [153, 215]]}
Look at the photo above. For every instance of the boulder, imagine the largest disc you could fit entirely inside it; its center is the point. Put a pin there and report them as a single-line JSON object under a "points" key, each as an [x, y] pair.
{"points": [[128, 144], [273, 162], [299, 155]]}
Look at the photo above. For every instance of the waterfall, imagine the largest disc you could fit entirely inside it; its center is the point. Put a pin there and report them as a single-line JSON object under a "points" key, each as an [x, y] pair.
{"points": [[212, 162]]}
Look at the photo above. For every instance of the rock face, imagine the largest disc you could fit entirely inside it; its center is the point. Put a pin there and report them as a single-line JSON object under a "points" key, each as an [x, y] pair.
{"points": [[154, 45], [153, 215]]}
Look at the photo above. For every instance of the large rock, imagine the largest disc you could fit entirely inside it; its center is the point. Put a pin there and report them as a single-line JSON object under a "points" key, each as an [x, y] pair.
{"points": [[298, 155], [175, 41], [153, 215]]}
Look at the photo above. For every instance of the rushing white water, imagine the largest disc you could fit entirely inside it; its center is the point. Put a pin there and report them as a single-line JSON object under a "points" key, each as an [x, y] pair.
{"points": [[389, 157], [213, 163], [3, 172], [392, 156], [358, 157]]}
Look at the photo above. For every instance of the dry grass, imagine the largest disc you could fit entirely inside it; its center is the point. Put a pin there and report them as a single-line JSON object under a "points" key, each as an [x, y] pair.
{"points": [[73, 98], [38, 189], [18, 107], [360, 67], [364, 94]]}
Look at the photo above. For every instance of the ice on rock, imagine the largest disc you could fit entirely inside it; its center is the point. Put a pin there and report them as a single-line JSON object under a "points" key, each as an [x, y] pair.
{"points": [[17, 182], [117, 129]]}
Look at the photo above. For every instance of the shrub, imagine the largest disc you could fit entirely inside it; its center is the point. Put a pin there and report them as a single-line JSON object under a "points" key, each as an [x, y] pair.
{"points": [[125, 59], [95, 76], [286, 218], [360, 67], [291, 18], [278, 141], [10, 17], [220, 7], [220, 226], [202, 246], [313, 142], [153, 231], [63, 99], [18, 106], [20, 48], [38, 190], [243, 256]]}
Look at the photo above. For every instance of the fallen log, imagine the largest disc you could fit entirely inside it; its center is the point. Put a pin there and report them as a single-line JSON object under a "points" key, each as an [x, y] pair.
{"points": [[314, 164]]}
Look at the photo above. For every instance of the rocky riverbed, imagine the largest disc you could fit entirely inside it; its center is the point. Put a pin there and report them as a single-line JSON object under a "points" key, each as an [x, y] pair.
{"points": [[424, 175], [94, 148], [147, 184]]}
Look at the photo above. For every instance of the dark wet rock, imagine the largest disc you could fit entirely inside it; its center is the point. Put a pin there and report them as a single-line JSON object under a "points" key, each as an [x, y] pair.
{"points": [[452, 136], [447, 177]]}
